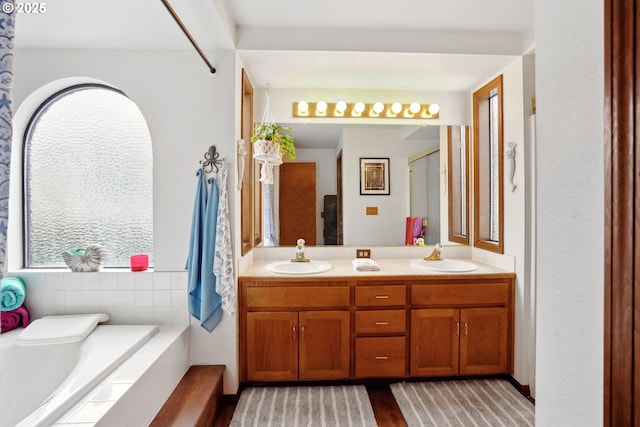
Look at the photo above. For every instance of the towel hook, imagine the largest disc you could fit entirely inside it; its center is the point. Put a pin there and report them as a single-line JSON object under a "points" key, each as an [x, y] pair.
{"points": [[211, 160]]}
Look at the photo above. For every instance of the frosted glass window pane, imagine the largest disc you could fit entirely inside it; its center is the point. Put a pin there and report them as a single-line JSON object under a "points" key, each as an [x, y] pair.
{"points": [[494, 176], [88, 178], [462, 152]]}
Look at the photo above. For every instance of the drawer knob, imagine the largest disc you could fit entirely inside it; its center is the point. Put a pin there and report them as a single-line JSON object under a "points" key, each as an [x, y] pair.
{"points": [[382, 296], [382, 323], [381, 357]]}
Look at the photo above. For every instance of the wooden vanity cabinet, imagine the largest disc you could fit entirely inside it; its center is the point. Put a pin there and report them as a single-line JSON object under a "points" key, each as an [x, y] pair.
{"points": [[467, 330], [380, 330], [343, 328], [296, 332]]}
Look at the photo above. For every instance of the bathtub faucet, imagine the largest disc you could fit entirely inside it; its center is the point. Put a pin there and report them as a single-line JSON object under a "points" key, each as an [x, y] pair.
{"points": [[300, 252]]}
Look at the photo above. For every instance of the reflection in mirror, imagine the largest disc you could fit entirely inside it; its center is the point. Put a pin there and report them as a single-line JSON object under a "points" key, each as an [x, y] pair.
{"points": [[329, 145], [458, 183], [424, 201], [488, 224]]}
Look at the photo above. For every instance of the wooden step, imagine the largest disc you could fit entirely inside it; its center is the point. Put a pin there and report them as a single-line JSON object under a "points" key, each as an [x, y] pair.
{"points": [[195, 400]]}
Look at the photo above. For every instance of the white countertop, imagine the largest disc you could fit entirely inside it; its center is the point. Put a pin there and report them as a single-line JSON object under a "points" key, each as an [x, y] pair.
{"points": [[388, 267]]}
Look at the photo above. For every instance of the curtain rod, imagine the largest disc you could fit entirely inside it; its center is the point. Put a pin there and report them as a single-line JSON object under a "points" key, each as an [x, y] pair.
{"points": [[186, 33]]}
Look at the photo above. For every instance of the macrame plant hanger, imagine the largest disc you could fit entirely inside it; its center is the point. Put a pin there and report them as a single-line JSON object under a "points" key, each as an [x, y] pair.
{"points": [[267, 152]]}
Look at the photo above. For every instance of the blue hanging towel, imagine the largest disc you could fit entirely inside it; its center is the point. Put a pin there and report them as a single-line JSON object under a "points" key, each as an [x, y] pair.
{"points": [[204, 303], [195, 247], [211, 306]]}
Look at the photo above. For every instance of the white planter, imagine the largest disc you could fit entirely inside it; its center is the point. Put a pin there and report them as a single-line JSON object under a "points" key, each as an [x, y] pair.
{"points": [[267, 152]]}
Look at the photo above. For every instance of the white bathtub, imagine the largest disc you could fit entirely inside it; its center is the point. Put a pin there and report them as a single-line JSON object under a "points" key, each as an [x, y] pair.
{"points": [[49, 384]]}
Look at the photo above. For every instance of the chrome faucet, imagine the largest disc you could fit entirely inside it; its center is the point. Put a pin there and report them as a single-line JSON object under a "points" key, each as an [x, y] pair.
{"points": [[300, 252], [436, 255]]}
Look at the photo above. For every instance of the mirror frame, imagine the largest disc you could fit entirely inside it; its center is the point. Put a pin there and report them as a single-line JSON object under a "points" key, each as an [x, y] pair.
{"points": [[246, 193], [456, 187], [481, 175]]}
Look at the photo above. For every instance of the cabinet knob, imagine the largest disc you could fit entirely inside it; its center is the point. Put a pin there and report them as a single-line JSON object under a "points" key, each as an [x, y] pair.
{"points": [[458, 328], [294, 333]]}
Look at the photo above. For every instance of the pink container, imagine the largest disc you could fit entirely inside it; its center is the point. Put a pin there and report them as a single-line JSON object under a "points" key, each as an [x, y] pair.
{"points": [[139, 262]]}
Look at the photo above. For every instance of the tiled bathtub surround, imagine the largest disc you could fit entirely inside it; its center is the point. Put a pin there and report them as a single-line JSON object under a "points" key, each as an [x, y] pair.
{"points": [[129, 298], [135, 391]]}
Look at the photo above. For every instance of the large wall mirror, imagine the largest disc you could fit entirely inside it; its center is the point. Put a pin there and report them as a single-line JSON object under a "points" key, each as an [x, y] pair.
{"points": [[415, 189], [488, 165]]}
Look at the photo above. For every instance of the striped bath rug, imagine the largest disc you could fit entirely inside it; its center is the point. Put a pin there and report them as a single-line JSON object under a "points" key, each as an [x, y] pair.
{"points": [[463, 403], [304, 406]]}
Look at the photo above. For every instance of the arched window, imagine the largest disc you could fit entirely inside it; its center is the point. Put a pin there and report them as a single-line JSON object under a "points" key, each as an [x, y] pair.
{"points": [[88, 177]]}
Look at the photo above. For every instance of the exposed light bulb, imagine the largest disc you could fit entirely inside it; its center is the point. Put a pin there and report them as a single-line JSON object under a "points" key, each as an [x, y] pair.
{"points": [[321, 107], [359, 107], [433, 109], [414, 108], [303, 107], [396, 108], [341, 107], [378, 107]]}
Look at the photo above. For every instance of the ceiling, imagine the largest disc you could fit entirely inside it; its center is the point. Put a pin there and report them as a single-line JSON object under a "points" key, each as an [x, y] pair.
{"points": [[421, 45]]}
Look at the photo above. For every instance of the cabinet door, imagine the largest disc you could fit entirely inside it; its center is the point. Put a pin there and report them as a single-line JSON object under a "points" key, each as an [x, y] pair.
{"points": [[434, 342], [483, 340], [272, 346], [324, 345]]}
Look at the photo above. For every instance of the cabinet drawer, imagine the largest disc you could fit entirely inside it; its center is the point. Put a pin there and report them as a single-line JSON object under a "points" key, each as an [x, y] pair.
{"points": [[381, 296], [297, 297], [380, 357], [381, 321], [490, 293]]}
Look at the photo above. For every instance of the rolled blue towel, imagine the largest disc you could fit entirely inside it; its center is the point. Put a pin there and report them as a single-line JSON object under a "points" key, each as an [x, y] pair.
{"points": [[13, 293]]}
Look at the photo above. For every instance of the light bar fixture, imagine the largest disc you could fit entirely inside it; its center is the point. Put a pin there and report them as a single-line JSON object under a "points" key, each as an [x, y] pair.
{"points": [[358, 109]]}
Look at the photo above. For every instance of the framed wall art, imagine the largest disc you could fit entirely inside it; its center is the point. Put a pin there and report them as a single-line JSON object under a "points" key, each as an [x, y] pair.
{"points": [[374, 176]]}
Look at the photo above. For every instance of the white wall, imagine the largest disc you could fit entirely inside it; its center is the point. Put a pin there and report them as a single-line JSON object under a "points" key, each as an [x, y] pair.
{"points": [[187, 109], [570, 214], [514, 211]]}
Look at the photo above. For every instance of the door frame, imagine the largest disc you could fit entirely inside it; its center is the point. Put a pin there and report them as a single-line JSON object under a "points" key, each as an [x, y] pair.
{"points": [[622, 207]]}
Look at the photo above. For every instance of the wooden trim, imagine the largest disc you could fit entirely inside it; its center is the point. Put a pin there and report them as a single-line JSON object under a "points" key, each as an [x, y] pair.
{"points": [[478, 240], [607, 215], [622, 214], [453, 235], [246, 194]]}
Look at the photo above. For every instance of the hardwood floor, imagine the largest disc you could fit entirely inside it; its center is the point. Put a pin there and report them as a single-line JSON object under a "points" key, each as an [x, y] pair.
{"points": [[385, 408]]}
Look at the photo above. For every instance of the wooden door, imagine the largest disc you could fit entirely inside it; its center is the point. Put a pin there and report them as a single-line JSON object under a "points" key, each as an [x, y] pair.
{"points": [[272, 346], [434, 342], [324, 345], [483, 341], [297, 203]]}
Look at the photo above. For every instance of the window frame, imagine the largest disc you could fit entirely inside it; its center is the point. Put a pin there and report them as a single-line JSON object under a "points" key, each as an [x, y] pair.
{"points": [[458, 194], [482, 179]]}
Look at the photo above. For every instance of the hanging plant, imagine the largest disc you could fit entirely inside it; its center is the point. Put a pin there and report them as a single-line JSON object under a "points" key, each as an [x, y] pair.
{"points": [[270, 142], [276, 134]]}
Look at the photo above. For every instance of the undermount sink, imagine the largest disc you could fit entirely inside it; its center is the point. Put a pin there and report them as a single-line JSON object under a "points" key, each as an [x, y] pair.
{"points": [[447, 265], [288, 267]]}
